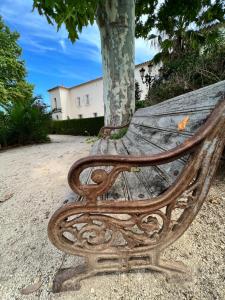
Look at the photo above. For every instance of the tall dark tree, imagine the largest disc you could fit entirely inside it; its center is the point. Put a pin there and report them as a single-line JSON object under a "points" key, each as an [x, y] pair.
{"points": [[137, 91], [13, 84]]}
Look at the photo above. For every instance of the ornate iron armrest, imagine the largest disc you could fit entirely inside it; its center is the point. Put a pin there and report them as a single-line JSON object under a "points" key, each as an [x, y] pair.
{"points": [[103, 180], [106, 130]]}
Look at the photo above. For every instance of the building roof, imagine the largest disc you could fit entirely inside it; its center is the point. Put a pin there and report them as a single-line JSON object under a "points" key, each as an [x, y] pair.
{"points": [[84, 83], [143, 64], [90, 81], [58, 87]]}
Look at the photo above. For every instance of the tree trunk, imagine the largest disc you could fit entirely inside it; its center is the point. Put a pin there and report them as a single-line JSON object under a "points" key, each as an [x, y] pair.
{"points": [[116, 22]]}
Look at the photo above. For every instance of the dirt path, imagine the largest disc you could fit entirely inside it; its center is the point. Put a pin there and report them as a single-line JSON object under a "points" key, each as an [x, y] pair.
{"points": [[33, 184]]}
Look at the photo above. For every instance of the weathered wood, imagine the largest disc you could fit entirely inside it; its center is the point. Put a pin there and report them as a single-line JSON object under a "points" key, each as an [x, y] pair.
{"points": [[204, 98], [135, 204], [154, 130]]}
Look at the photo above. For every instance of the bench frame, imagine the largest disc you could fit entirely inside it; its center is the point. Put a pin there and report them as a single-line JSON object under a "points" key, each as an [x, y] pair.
{"points": [[147, 226]]}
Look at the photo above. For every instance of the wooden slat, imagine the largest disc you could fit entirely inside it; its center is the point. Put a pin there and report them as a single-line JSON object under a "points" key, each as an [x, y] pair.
{"points": [[137, 187], [158, 177], [119, 190], [202, 98], [170, 123], [156, 141], [154, 130]]}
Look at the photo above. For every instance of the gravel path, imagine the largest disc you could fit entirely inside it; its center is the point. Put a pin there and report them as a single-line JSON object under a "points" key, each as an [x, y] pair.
{"points": [[33, 184]]}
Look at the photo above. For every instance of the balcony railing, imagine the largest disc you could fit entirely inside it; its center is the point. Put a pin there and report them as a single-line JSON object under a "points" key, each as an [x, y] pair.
{"points": [[57, 110]]}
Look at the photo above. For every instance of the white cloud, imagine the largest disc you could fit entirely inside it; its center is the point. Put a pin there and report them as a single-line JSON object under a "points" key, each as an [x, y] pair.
{"points": [[61, 73], [62, 44], [19, 12], [39, 36], [91, 35], [35, 46]]}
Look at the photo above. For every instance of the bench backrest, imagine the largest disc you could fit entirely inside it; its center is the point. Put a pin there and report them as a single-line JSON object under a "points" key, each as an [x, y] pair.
{"points": [[166, 125]]}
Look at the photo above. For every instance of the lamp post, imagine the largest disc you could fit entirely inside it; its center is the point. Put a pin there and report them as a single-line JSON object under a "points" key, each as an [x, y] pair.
{"points": [[147, 78]]}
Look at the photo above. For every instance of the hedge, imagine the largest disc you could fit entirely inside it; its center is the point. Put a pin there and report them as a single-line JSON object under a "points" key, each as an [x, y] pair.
{"points": [[88, 126]]}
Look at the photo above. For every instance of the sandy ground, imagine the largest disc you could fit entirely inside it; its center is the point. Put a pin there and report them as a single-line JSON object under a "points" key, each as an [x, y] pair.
{"points": [[33, 184]]}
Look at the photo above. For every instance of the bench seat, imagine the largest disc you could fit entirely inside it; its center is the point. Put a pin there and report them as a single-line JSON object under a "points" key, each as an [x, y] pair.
{"points": [[154, 130], [135, 196]]}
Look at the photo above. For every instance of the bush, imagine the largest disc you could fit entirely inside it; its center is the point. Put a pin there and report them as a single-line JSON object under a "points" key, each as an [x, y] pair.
{"points": [[24, 123], [88, 126], [119, 134], [139, 104], [3, 130], [191, 72]]}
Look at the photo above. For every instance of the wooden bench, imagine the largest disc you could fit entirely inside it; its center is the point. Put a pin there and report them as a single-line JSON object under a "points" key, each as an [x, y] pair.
{"points": [[135, 196]]}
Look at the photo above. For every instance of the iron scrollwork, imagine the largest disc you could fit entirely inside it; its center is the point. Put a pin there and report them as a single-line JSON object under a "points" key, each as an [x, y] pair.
{"points": [[127, 235]]}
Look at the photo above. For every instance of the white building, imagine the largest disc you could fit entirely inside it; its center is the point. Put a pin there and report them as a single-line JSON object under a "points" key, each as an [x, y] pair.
{"points": [[86, 100]]}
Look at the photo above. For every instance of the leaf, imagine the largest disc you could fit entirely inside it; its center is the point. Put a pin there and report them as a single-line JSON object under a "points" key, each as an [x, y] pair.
{"points": [[7, 197], [152, 36], [31, 288], [182, 125]]}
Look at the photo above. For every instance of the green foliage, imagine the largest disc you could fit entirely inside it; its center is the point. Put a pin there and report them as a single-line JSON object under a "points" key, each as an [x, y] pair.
{"points": [[191, 40], [24, 123], [3, 129], [147, 8], [74, 14], [189, 73], [91, 139], [88, 126], [119, 134], [137, 91], [23, 119], [181, 26], [138, 102], [13, 86], [77, 14]]}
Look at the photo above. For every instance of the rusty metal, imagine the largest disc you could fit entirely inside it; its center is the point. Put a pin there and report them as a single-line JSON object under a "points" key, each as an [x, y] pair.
{"points": [[130, 235], [106, 131]]}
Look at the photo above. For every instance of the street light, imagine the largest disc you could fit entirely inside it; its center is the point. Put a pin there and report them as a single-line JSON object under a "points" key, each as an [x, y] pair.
{"points": [[147, 79]]}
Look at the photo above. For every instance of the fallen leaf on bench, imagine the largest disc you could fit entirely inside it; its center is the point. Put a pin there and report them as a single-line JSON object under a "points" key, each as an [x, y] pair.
{"points": [[182, 125], [31, 288], [7, 197]]}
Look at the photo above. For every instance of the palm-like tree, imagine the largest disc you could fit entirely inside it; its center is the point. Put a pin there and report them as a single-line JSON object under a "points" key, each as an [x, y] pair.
{"points": [[181, 26]]}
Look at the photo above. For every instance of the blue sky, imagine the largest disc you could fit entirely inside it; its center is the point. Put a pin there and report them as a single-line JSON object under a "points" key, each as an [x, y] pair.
{"points": [[51, 59]]}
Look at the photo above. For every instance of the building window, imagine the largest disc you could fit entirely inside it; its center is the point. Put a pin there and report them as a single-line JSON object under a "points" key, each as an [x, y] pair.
{"points": [[55, 102], [78, 101], [80, 116], [95, 115], [57, 117], [87, 100]]}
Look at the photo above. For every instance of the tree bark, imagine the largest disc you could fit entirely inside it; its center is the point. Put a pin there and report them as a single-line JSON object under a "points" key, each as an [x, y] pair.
{"points": [[116, 22]]}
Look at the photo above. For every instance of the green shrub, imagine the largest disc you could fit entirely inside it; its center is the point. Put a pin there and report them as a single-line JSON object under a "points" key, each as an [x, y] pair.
{"points": [[3, 129], [139, 104], [119, 134], [191, 72], [24, 123], [88, 126]]}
